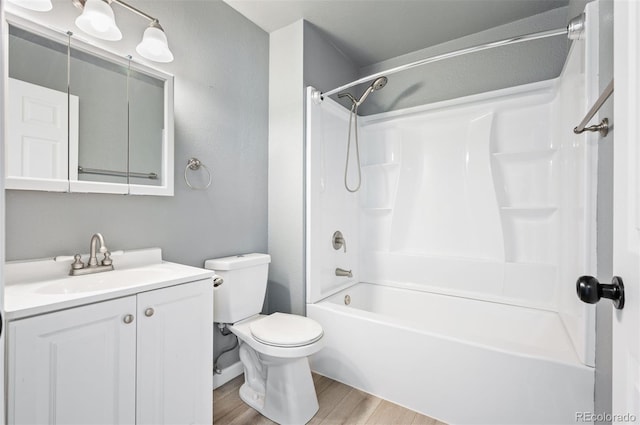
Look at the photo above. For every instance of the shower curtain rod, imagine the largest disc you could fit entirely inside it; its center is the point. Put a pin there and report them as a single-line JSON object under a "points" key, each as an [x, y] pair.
{"points": [[573, 30]]}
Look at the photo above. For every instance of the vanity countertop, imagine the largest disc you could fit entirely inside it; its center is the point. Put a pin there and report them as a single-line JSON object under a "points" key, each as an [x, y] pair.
{"points": [[42, 286]]}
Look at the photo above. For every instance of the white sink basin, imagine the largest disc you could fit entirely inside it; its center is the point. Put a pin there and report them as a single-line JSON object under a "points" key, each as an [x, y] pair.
{"points": [[40, 286], [115, 279]]}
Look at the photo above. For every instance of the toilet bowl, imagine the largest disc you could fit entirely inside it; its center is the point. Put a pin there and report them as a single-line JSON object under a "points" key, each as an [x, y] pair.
{"points": [[274, 348], [273, 351]]}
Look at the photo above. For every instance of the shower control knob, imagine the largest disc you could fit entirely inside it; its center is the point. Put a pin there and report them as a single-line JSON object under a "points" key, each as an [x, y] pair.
{"points": [[590, 290], [338, 241]]}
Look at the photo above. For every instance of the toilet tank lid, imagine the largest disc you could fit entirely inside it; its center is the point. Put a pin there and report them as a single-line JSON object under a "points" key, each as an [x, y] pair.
{"points": [[237, 261]]}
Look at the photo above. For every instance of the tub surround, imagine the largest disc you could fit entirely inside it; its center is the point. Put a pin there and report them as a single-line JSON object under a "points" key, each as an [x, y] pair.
{"points": [[495, 254], [499, 240], [479, 210]]}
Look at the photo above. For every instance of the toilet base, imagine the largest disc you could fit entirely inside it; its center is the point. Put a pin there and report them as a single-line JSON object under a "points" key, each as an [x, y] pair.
{"points": [[280, 389]]}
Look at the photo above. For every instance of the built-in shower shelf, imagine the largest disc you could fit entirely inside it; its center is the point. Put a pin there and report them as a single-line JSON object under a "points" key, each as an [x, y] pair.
{"points": [[378, 183], [377, 210], [530, 211], [522, 264], [386, 166], [530, 155]]}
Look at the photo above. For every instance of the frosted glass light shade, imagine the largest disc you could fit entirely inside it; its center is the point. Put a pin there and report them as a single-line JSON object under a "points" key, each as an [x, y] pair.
{"points": [[97, 19], [154, 45], [37, 5]]}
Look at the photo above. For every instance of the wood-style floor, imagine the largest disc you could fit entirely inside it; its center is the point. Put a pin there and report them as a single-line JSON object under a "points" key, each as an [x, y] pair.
{"points": [[339, 404]]}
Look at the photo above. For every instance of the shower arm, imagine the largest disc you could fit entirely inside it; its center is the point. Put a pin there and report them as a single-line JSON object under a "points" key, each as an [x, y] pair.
{"points": [[574, 31]]}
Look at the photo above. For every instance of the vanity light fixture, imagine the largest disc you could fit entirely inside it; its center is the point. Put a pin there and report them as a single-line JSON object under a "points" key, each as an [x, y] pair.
{"points": [[97, 19], [154, 44], [37, 5]]}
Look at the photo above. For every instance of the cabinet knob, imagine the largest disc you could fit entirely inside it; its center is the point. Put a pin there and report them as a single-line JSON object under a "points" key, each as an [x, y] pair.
{"points": [[128, 318], [149, 312]]}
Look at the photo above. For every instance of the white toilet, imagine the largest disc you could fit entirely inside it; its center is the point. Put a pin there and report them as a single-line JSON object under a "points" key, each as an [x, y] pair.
{"points": [[274, 348]]}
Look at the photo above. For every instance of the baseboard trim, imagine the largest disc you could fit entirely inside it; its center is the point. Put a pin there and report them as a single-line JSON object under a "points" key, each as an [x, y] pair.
{"points": [[228, 373]]}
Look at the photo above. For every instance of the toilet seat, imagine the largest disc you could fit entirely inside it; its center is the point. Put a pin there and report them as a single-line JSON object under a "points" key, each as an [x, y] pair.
{"points": [[286, 330], [242, 330]]}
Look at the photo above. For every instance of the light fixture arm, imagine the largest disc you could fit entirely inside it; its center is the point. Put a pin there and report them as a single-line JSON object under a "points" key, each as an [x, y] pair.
{"points": [[154, 21], [134, 10]]}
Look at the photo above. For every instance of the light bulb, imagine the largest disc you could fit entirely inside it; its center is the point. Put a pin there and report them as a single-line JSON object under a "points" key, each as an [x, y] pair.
{"points": [[97, 19], [154, 45]]}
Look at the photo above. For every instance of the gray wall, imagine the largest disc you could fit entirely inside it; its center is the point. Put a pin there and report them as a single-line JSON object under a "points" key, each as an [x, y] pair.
{"points": [[325, 66], [473, 73], [221, 117]]}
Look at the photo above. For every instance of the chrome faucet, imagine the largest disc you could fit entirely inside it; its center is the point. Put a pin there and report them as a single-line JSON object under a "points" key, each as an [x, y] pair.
{"points": [[78, 267], [93, 261], [343, 273]]}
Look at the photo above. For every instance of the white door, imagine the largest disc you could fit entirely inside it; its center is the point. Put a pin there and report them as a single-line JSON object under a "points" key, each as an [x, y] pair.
{"points": [[74, 366], [37, 134], [626, 245], [175, 355]]}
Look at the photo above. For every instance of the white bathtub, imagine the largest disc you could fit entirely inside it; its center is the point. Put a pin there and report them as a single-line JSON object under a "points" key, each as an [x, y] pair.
{"points": [[459, 360]]}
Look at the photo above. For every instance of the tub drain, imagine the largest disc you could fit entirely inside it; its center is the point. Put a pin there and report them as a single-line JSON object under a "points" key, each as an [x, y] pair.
{"points": [[347, 300]]}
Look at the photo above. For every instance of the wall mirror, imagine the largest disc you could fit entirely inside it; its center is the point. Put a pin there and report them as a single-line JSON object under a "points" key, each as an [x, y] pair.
{"points": [[80, 119]]}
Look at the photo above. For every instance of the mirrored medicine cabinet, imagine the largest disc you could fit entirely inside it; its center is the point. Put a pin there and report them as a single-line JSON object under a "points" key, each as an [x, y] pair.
{"points": [[80, 119]]}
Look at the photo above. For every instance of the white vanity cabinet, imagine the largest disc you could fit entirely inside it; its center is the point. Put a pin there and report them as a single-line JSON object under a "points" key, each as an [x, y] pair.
{"points": [[74, 366], [144, 359], [174, 355]]}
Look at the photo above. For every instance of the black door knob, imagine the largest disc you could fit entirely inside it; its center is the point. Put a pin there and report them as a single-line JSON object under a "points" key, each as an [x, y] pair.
{"points": [[590, 290]]}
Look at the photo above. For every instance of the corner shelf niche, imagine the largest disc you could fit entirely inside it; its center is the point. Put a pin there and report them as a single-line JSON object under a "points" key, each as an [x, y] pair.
{"points": [[378, 183], [526, 186]]}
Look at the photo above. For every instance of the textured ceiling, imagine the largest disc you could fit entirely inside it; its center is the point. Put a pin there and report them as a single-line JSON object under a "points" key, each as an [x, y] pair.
{"points": [[370, 31]]}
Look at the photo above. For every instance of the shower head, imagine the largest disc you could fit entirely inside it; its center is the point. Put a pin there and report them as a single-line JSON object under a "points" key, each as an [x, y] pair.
{"points": [[377, 84]]}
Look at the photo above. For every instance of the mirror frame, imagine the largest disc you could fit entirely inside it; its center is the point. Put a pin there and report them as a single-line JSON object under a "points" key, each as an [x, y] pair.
{"points": [[72, 184]]}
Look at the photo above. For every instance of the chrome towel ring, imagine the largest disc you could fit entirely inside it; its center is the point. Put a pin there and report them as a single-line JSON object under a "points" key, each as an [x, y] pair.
{"points": [[195, 164]]}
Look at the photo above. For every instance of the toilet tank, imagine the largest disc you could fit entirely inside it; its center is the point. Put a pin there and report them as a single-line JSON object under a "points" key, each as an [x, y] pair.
{"points": [[244, 286]]}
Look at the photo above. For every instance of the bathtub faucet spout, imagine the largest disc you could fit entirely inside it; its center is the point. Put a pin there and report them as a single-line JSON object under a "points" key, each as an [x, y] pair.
{"points": [[343, 273]]}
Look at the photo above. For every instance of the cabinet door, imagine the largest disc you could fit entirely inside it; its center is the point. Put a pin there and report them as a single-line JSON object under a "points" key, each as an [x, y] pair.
{"points": [[74, 366], [175, 355]]}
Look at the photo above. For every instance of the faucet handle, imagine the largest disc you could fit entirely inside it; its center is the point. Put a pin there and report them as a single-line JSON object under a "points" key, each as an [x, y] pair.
{"points": [[107, 261], [338, 241], [77, 262]]}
